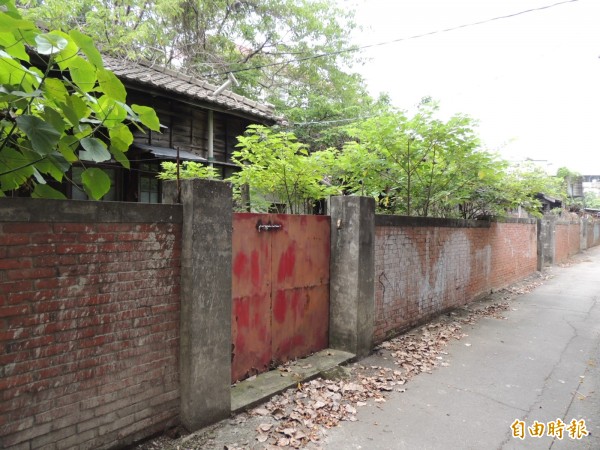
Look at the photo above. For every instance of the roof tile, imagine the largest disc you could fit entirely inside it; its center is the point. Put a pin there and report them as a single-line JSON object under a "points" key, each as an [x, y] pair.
{"points": [[172, 81]]}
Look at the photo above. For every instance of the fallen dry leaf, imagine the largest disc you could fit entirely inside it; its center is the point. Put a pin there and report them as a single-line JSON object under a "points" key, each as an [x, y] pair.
{"points": [[300, 415]]}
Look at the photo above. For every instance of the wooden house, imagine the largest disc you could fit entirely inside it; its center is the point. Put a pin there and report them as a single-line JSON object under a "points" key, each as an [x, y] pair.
{"points": [[197, 126]]}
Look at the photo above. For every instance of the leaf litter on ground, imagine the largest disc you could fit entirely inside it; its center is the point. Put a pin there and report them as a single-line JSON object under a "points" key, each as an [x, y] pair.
{"points": [[298, 417]]}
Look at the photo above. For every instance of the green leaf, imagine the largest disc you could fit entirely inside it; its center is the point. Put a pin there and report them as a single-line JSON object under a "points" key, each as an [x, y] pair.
{"points": [[8, 23], [38, 176], [121, 158], [110, 85], [15, 169], [49, 44], [87, 46], [13, 46], [13, 73], [55, 90], [75, 109], [43, 136], [110, 111], [55, 119], [66, 147], [66, 55], [147, 116], [95, 150], [12, 96], [45, 191], [83, 73], [82, 130], [120, 138], [96, 183], [54, 165]]}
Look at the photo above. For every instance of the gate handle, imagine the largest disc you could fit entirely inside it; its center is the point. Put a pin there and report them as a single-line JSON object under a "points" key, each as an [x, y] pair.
{"points": [[267, 226]]}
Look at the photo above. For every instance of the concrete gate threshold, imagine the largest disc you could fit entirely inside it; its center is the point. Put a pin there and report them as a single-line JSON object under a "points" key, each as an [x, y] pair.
{"points": [[259, 388]]}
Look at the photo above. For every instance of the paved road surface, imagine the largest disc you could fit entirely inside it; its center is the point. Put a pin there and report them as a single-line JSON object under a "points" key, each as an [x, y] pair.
{"points": [[542, 364]]}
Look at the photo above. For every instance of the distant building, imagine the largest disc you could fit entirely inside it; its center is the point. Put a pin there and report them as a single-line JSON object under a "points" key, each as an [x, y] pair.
{"points": [[575, 187], [591, 183]]}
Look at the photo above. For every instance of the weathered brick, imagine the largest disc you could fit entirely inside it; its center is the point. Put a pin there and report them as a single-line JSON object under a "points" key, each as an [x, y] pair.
{"points": [[13, 239], [75, 249], [73, 440], [60, 228], [75, 341], [49, 440], [406, 256], [26, 435]]}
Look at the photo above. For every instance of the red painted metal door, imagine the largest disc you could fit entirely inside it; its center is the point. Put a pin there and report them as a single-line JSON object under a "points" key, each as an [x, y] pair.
{"points": [[280, 289]]}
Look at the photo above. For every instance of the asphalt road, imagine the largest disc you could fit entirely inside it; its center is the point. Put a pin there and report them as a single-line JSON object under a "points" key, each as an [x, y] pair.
{"points": [[540, 365]]}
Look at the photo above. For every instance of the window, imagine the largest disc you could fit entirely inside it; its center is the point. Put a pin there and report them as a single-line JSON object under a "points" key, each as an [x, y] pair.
{"points": [[149, 184]]}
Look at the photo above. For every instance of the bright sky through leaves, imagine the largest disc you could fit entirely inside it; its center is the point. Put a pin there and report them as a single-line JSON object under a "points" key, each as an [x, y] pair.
{"points": [[533, 81]]}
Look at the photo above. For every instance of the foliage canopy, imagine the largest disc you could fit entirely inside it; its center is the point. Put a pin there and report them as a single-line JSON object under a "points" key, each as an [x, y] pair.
{"points": [[279, 169], [415, 165], [58, 106], [291, 53]]}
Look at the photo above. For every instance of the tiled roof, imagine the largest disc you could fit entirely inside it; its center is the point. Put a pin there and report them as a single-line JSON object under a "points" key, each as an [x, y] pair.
{"points": [[172, 81]]}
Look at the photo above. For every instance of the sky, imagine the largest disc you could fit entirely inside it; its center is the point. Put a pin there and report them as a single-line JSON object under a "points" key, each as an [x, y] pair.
{"points": [[532, 81]]}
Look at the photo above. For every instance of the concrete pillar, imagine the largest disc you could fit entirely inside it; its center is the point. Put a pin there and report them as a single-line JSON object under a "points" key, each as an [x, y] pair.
{"points": [[352, 274], [546, 231], [205, 333], [583, 232]]}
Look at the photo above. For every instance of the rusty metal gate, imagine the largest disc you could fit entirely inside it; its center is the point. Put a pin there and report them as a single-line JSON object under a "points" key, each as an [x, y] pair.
{"points": [[280, 289]]}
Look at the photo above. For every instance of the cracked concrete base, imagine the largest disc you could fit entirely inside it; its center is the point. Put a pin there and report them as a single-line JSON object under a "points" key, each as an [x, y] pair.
{"points": [[543, 363]]}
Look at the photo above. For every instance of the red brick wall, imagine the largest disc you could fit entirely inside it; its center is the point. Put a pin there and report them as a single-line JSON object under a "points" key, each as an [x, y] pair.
{"points": [[89, 337], [574, 238], [566, 240], [425, 269]]}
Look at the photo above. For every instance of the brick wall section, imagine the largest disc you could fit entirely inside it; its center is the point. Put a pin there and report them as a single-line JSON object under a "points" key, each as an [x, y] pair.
{"points": [[89, 322], [567, 238], [426, 266], [574, 238], [593, 233]]}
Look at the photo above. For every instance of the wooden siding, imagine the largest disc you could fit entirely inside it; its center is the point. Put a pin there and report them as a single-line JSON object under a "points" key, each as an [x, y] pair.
{"points": [[187, 127]]}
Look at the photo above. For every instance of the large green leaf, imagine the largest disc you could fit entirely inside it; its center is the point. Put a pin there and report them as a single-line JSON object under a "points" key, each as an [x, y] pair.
{"points": [[55, 119], [8, 23], [83, 73], [13, 73], [66, 55], [120, 138], [15, 169], [54, 165], [95, 182], [110, 85], [87, 46], [55, 90], [43, 136], [95, 150], [13, 46], [147, 116], [45, 191], [75, 109], [110, 111], [49, 44]]}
